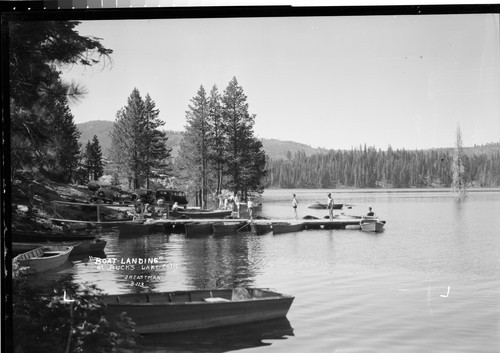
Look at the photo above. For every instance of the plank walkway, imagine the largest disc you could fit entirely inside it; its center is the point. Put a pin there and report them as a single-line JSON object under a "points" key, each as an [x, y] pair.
{"points": [[338, 223]]}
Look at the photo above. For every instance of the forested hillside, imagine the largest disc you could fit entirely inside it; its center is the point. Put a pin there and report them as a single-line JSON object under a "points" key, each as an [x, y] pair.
{"points": [[295, 165], [102, 129], [274, 148], [370, 168]]}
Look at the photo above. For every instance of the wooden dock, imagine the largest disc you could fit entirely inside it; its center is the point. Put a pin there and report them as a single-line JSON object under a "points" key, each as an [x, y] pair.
{"points": [[341, 223], [178, 225], [308, 223]]}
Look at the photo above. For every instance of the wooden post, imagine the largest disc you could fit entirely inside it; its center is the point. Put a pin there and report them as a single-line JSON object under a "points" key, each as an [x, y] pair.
{"points": [[98, 213]]}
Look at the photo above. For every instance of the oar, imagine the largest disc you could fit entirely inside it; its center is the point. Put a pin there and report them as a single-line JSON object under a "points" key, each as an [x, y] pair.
{"points": [[243, 226]]}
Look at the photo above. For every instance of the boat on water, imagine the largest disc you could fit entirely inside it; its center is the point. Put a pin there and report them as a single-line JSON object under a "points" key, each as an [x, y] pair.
{"points": [[91, 224], [286, 227], [260, 228], [227, 228], [200, 214], [44, 258], [81, 247], [199, 309], [198, 228], [140, 228], [324, 206], [369, 224]]}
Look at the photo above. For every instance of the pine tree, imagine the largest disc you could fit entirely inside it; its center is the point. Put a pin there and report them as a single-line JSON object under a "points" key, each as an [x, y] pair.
{"points": [[195, 151], [36, 51], [138, 147], [93, 159], [66, 136], [155, 142], [459, 183], [253, 171], [240, 143], [218, 138]]}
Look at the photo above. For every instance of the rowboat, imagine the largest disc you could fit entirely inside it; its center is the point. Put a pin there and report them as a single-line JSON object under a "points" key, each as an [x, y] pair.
{"points": [[324, 206], [286, 227], [226, 228], [200, 214], [260, 228], [372, 225], [139, 228], [44, 258], [198, 228], [199, 309], [79, 247]]}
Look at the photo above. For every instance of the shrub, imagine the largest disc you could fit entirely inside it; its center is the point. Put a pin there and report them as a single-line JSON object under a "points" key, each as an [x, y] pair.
{"points": [[44, 322]]}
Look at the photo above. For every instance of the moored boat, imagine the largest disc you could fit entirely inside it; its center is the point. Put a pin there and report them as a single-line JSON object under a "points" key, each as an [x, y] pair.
{"points": [[200, 214], [324, 206], [199, 309], [226, 228], [44, 258], [198, 228], [79, 247], [286, 227], [372, 225], [260, 228], [140, 228]]}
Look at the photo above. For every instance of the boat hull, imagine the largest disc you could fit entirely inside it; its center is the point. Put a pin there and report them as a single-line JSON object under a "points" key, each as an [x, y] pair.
{"points": [[138, 229], [280, 228], [226, 228], [202, 214], [157, 314], [198, 229], [44, 258], [324, 206], [260, 229], [372, 225], [79, 247]]}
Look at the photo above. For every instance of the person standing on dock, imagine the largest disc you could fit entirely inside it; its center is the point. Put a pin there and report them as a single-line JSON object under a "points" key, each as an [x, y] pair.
{"points": [[250, 208], [294, 205], [221, 201], [329, 204], [237, 203]]}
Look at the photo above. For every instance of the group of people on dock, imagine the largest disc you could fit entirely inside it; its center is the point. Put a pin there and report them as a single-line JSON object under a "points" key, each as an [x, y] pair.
{"points": [[231, 203]]}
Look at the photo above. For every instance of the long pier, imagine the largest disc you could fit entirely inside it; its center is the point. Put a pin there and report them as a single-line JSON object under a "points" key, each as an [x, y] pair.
{"points": [[170, 224], [336, 223]]}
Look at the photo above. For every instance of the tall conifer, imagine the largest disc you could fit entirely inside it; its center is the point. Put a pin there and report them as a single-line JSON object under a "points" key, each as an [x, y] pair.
{"points": [[196, 145], [137, 145], [459, 183]]}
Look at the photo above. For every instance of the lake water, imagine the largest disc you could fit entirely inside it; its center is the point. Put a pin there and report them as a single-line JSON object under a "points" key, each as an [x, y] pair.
{"points": [[429, 283]]}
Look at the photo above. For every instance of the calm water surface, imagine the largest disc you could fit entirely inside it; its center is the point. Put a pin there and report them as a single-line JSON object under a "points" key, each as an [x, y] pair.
{"points": [[429, 283]]}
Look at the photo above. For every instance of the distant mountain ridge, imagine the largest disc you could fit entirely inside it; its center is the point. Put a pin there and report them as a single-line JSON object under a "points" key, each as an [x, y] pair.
{"points": [[102, 129], [276, 149]]}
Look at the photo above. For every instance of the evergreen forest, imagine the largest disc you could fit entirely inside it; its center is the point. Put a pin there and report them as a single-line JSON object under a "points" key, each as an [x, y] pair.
{"points": [[367, 167]]}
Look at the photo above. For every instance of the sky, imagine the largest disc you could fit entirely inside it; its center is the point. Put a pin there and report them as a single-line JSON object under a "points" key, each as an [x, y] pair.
{"points": [[331, 82]]}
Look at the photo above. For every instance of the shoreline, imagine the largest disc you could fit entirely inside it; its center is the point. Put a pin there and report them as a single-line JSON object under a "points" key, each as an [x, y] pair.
{"points": [[387, 190]]}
